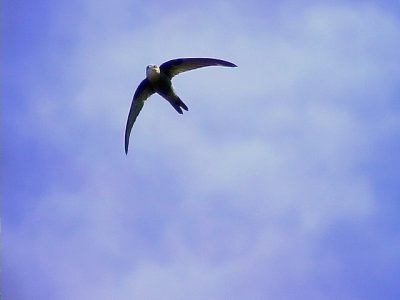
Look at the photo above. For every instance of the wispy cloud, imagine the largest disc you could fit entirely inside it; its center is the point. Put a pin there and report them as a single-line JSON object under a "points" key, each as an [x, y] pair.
{"points": [[266, 188]]}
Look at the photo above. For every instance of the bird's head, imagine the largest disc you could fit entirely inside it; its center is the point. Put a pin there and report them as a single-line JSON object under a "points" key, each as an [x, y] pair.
{"points": [[152, 71]]}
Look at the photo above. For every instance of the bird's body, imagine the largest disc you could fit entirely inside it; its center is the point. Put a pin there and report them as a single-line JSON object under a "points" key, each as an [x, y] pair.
{"points": [[158, 80], [162, 85]]}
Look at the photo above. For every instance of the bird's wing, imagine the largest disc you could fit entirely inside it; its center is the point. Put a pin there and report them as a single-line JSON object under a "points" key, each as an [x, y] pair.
{"points": [[143, 91], [176, 66]]}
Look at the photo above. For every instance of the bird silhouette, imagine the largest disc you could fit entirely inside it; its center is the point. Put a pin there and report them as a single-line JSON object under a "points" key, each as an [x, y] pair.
{"points": [[158, 80]]}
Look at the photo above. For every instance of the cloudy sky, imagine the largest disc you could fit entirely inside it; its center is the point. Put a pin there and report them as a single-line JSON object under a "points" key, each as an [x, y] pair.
{"points": [[280, 182]]}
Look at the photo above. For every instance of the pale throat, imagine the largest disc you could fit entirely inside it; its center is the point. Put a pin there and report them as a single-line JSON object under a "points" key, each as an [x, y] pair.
{"points": [[153, 73]]}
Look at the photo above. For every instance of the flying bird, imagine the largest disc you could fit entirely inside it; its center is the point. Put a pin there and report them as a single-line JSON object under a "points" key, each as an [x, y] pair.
{"points": [[158, 80]]}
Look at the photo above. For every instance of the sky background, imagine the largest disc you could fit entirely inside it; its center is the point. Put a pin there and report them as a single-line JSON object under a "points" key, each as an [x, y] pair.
{"points": [[280, 182]]}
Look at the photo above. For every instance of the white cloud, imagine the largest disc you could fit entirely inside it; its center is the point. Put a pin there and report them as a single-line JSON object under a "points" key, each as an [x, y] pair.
{"points": [[233, 198]]}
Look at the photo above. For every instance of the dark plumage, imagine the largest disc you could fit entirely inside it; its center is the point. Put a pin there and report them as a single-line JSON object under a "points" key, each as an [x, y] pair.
{"points": [[158, 80]]}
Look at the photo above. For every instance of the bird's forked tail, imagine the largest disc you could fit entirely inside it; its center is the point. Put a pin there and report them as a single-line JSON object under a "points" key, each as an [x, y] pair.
{"points": [[178, 104]]}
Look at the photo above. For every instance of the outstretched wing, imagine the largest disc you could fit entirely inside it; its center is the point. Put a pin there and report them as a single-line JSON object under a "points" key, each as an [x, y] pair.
{"points": [[143, 92], [176, 66]]}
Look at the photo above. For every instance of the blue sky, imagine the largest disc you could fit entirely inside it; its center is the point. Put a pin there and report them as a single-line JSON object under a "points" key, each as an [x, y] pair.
{"points": [[281, 182]]}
